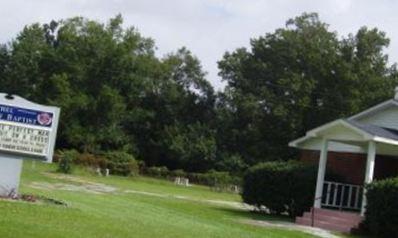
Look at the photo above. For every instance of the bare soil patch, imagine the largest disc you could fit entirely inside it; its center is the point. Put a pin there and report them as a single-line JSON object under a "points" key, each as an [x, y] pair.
{"points": [[291, 226]]}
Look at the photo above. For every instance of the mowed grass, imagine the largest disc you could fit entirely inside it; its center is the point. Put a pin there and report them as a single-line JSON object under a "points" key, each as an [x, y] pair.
{"points": [[139, 207]]}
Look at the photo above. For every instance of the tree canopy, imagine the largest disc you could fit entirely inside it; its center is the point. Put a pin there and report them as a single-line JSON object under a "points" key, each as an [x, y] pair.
{"points": [[116, 94], [297, 78]]}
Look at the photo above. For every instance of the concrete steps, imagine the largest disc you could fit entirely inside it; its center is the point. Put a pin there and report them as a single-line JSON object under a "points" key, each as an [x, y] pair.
{"points": [[331, 220]]}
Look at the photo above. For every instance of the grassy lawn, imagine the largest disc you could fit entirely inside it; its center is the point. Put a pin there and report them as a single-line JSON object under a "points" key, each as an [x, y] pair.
{"points": [[133, 207]]}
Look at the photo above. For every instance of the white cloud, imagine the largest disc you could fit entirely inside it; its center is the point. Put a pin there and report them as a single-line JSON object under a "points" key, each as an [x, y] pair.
{"points": [[207, 27]]}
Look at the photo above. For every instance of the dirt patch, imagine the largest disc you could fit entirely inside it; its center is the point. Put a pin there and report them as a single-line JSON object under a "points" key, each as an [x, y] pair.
{"points": [[98, 188], [71, 178], [82, 185], [148, 193], [89, 187], [291, 226], [237, 205]]}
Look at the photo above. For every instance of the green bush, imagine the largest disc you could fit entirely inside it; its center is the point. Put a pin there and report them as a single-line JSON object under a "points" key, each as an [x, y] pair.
{"points": [[217, 179], [159, 172], [121, 163], [66, 158], [234, 164], [280, 187], [381, 218], [87, 159], [178, 173]]}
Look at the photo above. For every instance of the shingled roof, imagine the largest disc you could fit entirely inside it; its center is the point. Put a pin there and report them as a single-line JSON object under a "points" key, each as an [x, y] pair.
{"points": [[387, 133]]}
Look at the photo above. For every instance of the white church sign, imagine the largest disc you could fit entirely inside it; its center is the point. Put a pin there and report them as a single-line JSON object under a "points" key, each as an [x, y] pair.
{"points": [[27, 130]]}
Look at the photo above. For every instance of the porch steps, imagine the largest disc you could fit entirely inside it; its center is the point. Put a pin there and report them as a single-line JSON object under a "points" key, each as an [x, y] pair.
{"points": [[331, 220]]}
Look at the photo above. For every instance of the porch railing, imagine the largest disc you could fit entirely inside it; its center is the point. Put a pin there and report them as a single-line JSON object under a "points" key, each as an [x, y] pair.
{"points": [[342, 196]]}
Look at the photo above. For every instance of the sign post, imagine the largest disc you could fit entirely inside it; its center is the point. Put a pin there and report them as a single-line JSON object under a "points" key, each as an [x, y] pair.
{"points": [[27, 131]]}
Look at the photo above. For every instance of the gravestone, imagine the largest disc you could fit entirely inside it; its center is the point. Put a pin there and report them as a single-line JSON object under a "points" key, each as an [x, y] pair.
{"points": [[98, 171], [27, 131], [181, 181]]}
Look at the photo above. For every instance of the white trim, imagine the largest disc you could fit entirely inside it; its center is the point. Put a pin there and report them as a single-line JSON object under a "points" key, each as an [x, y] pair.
{"points": [[17, 101], [313, 133], [369, 172], [321, 173], [385, 140], [297, 141], [374, 109]]}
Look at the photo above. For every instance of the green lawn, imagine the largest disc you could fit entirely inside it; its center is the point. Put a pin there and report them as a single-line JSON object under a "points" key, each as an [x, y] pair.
{"points": [[136, 207]]}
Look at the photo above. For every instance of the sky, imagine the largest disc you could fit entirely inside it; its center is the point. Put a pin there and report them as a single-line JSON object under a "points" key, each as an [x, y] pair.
{"points": [[208, 28]]}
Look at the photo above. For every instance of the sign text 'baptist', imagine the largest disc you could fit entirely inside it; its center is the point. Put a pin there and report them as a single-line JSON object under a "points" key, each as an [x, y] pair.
{"points": [[24, 131]]}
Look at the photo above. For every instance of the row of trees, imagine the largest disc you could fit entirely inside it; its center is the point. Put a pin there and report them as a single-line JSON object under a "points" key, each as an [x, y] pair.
{"points": [[117, 95]]}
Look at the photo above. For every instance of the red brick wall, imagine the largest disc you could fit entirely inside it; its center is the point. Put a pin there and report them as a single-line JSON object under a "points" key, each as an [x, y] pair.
{"points": [[352, 166]]}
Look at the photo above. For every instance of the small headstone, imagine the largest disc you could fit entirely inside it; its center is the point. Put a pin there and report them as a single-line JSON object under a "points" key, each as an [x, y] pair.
{"points": [[186, 182], [98, 171], [106, 172]]}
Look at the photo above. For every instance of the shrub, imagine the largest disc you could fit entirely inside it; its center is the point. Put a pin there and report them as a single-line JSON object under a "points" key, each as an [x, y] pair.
{"points": [[121, 163], [178, 173], [66, 158], [158, 172], [280, 187], [234, 164], [217, 179], [87, 159], [381, 218]]}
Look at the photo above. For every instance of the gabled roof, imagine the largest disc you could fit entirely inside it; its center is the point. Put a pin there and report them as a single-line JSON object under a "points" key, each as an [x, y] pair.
{"points": [[383, 132], [375, 109], [340, 122], [367, 131]]}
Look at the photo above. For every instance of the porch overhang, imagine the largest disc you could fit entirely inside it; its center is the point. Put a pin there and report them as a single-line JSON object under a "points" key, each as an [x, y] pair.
{"points": [[349, 136]]}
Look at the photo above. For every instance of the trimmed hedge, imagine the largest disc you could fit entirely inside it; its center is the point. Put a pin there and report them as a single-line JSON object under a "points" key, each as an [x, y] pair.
{"points": [[381, 218], [280, 187]]}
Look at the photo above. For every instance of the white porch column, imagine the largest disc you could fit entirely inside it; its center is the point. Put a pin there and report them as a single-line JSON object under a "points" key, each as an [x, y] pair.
{"points": [[321, 173], [370, 164]]}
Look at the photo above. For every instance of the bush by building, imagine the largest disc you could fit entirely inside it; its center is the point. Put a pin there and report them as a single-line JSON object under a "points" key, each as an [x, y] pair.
{"points": [[381, 218], [281, 187]]}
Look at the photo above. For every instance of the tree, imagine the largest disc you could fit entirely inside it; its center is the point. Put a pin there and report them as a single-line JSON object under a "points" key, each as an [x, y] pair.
{"points": [[297, 78], [182, 104], [115, 94]]}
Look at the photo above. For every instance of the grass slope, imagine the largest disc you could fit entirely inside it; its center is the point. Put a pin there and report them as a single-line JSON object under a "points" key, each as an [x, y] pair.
{"points": [[139, 207]]}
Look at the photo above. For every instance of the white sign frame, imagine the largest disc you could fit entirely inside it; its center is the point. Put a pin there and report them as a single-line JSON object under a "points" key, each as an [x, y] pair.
{"points": [[17, 101]]}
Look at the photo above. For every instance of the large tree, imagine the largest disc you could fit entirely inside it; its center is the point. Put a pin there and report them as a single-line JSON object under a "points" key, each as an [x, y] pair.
{"points": [[297, 78], [114, 92]]}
